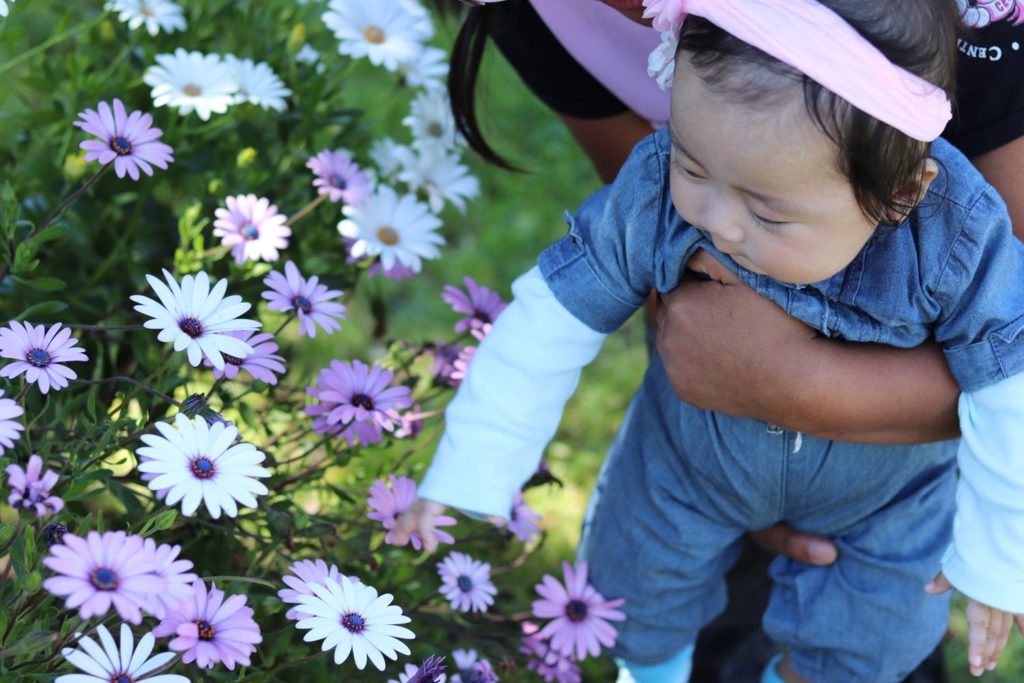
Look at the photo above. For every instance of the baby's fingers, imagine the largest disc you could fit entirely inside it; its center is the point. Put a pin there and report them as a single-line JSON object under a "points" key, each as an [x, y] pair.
{"points": [[1001, 639], [979, 618]]}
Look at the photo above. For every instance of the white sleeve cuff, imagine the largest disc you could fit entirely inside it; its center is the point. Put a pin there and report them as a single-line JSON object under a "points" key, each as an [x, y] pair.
{"points": [[510, 403], [986, 559]]}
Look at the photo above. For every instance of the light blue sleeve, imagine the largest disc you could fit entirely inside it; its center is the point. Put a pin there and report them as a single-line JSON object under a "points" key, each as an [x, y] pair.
{"points": [[986, 558], [510, 403]]}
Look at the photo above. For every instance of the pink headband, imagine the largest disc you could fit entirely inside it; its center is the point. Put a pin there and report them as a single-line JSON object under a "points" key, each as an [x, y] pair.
{"points": [[812, 38]]}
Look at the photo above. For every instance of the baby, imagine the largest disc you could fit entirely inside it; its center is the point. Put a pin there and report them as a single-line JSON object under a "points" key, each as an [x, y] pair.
{"points": [[802, 154]]}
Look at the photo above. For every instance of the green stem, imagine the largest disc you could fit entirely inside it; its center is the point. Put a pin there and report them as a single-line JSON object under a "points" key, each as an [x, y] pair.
{"points": [[243, 579], [306, 209]]}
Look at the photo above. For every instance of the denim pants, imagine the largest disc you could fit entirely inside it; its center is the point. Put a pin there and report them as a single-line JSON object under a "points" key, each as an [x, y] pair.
{"points": [[682, 485]]}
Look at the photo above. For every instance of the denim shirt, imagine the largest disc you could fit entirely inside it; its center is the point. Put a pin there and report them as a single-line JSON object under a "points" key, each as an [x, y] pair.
{"points": [[953, 270]]}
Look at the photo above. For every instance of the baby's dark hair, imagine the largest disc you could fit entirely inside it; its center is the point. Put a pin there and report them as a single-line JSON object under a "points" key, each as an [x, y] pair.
{"points": [[879, 161]]}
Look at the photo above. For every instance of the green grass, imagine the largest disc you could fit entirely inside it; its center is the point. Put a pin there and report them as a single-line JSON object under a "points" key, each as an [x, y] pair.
{"points": [[499, 238]]}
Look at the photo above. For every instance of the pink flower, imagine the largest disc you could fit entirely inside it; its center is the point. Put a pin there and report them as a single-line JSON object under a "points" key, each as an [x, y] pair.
{"points": [[9, 427], [580, 614], [549, 665], [129, 141], [175, 572], [39, 353], [210, 629], [29, 490], [311, 300], [524, 520], [354, 394], [389, 503], [252, 227], [482, 305], [262, 363], [338, 177], [100, 570], [307, 572], [466, 582]]}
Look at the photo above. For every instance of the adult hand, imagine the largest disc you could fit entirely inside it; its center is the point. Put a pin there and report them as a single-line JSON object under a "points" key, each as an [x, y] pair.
{"points": [[783, 540], [727, 349]]}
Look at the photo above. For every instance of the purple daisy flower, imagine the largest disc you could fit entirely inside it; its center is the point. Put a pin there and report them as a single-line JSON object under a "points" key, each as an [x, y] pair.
{"points": [[9, 427], [523, 522], [580, 614], [210, 629], [129, 140], [175, 572], [466, 582], [357, 393], [39, 352], [29, 490], [100, 570], [397, 272], [445, 356], [430, 671], [307, 572], [389, 502], [311, 300], [549, 665], [262, 363], [482, 305], [412, 423], [471, 669], [338, 177], [252, 227]]}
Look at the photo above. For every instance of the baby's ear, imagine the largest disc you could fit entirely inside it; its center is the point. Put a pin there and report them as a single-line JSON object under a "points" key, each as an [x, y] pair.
{"points": [[910, 195]]}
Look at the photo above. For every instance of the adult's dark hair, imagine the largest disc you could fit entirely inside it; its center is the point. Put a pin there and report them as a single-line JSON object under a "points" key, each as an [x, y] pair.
{"points": [[879, 161], [463, 73]]}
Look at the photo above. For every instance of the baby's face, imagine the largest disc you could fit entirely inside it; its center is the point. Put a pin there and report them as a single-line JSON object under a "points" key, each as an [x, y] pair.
{"points": [[762, 182]]}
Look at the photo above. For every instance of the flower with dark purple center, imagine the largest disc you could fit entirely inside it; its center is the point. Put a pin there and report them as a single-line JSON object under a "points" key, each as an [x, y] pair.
{"points": [[122, 678], [311, 299], [252, 227], [232, 360], [302, 303], [191, 326], [203, 468], [38, 357], [205, 629], [353, 622], [104, 579], [430, 671], [121, 145], [576, 610], [250, 231], [339, 177]]}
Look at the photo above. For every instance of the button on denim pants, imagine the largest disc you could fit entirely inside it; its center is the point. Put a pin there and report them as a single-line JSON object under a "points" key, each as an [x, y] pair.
{"points": [[682, 485]]}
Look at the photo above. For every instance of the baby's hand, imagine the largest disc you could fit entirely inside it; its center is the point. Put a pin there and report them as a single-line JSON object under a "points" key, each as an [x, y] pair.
{"points": [[988, 629], [418, 518]]}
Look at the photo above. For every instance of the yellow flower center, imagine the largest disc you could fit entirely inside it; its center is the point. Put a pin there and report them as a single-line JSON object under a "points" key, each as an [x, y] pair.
{"points": [[387, 235], [374, 34], [192, 90]]}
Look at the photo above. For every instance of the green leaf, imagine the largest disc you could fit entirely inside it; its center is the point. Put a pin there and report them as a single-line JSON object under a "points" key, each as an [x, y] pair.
{"points": [[32, 643], [45, 284], [6, 531], [33, 582], [30, 546], [50, 232], [44, 308], [8, 210]]}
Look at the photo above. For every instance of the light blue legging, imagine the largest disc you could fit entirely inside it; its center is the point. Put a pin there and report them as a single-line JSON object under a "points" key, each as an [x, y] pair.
{"points": [[677, 670]]}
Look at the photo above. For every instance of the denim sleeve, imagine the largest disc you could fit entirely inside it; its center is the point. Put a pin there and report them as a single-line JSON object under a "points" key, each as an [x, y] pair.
{"points": [[981, 292], [620, 243]]}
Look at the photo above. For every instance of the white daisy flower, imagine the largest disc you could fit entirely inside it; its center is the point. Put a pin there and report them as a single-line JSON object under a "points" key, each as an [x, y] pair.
{"points": [[389, 156], [439, 174], [3, 7], [429, 69], [196, 318], [198, 462], [431, 121], [257, 84], [157, 15], [387, 32], [309, 55], [115, 662], [398, 229], [353, 619], [192, 81]]}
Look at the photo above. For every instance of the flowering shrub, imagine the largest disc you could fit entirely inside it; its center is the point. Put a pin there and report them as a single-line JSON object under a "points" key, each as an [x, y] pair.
{"points": [[177, 471]]}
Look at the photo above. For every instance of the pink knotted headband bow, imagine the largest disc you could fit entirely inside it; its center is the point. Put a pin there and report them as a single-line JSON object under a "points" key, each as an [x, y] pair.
{"points": [[812, 38]]}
